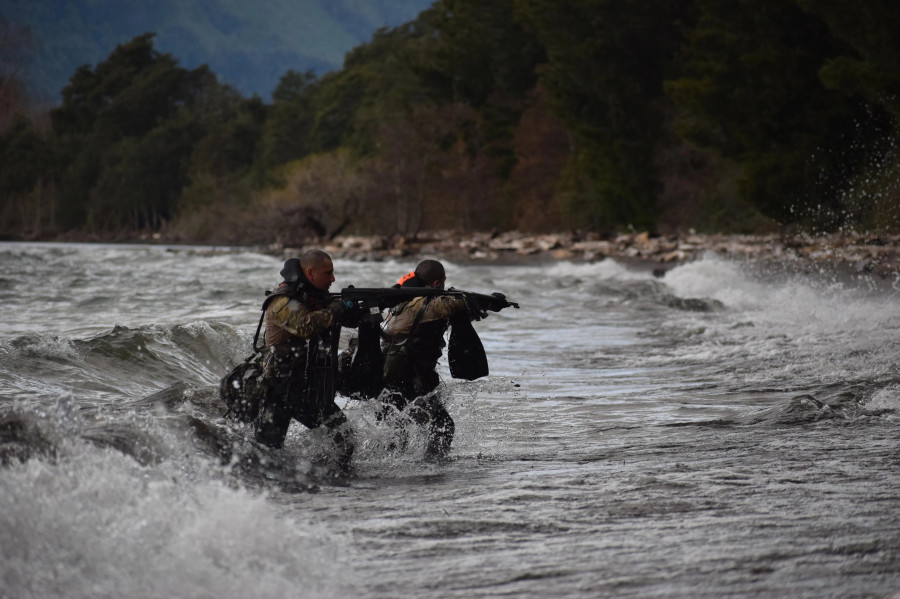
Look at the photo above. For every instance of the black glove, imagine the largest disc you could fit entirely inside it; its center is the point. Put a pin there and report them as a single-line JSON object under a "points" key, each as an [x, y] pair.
{"points": [[498, 303], [347, 313], [340, 307]]}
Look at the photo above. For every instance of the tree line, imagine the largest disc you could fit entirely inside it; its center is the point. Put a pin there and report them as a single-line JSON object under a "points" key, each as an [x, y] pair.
{"points": [[536, 115]]}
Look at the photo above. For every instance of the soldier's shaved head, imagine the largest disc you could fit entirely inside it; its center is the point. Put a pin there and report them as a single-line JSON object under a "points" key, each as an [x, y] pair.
{"points": [[318, 268], [313, 259], [430, 271]]}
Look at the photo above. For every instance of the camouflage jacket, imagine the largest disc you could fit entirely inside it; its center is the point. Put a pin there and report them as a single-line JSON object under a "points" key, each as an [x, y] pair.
{"points": [[400, 320], [288, 318]]}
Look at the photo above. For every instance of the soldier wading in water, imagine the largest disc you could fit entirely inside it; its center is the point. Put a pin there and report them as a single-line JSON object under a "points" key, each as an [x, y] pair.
{"points": [[415, 342], [302, 330]]}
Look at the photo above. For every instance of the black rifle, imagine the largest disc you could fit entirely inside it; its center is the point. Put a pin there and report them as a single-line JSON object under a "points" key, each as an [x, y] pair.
{"points": [[376, 299], [363, 377], [480, 303], [373, 300]]}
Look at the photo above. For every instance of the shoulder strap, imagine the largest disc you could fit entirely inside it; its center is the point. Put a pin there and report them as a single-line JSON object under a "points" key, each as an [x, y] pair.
{"points": [[258, 328], [270, 295]]}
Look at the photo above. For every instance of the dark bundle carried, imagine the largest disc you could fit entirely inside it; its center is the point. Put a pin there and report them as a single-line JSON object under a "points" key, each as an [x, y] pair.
{"points": [[243, 388]]}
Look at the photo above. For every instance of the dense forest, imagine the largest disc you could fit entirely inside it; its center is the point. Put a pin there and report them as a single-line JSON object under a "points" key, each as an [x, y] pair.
{"points": [[530, 115], [248, 44]]}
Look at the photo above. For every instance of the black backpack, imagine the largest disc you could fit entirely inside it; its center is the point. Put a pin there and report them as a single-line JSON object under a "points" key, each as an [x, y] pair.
{"points": [[244, 388]]}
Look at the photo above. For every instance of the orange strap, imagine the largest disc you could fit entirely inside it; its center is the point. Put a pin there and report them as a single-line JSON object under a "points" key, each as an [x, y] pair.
{"points": [[406, 277]]}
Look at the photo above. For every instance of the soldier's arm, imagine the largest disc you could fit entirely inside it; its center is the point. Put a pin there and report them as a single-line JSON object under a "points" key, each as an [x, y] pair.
{"points": [[297, 319], [443, 306]]}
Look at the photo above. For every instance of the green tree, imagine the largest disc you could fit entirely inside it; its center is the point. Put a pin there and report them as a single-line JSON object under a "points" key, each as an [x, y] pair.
{"points": [[141, 181], [606, 63], [126, 132], [288, 127], [17, 45], [751, 92], [869, 68], [127, 95], [224, 169], [482, 55], [377, 85], [27, 156], [229, 131], [459, 57]]}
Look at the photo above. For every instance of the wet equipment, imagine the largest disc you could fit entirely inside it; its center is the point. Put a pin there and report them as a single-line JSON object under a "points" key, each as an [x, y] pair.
{"points": [[466, 355], [243, 388]]}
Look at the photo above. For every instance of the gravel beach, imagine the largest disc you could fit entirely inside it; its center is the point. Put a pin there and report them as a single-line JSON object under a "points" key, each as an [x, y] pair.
{"points": [[876, 255]]}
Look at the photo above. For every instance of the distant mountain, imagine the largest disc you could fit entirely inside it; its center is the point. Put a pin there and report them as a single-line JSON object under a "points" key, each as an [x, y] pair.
{"points": [[248, 44]]}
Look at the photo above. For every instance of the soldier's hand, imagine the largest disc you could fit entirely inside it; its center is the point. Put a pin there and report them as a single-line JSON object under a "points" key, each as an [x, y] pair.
{"points": [[353, 316], [340, 307], [498, 303]]}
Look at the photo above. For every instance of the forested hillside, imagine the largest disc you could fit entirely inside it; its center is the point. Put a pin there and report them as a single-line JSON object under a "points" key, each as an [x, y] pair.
{"points": [[536, 115], [249, 45]]}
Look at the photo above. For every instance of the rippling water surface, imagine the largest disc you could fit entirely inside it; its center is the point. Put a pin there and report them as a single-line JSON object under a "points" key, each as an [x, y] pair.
{"points": [[725, 430]]}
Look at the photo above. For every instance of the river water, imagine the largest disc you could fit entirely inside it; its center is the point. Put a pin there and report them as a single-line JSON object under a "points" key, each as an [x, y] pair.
{"points": [[726, 430]]}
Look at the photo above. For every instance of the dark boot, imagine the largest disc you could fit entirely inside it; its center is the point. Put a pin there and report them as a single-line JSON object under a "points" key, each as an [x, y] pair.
{"points": [[440, 427], [270, 428]]}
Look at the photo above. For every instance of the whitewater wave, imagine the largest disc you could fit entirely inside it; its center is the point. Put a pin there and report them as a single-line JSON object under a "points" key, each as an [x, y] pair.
{"points": [[96, 523]]}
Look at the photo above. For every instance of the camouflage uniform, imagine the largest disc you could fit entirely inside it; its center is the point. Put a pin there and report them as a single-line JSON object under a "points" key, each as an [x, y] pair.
{"points": [[410, 365], [302, 339]]}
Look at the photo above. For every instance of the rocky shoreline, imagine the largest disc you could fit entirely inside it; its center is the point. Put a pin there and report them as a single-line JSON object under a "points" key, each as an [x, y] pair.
{"points": [[877, 255]]}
